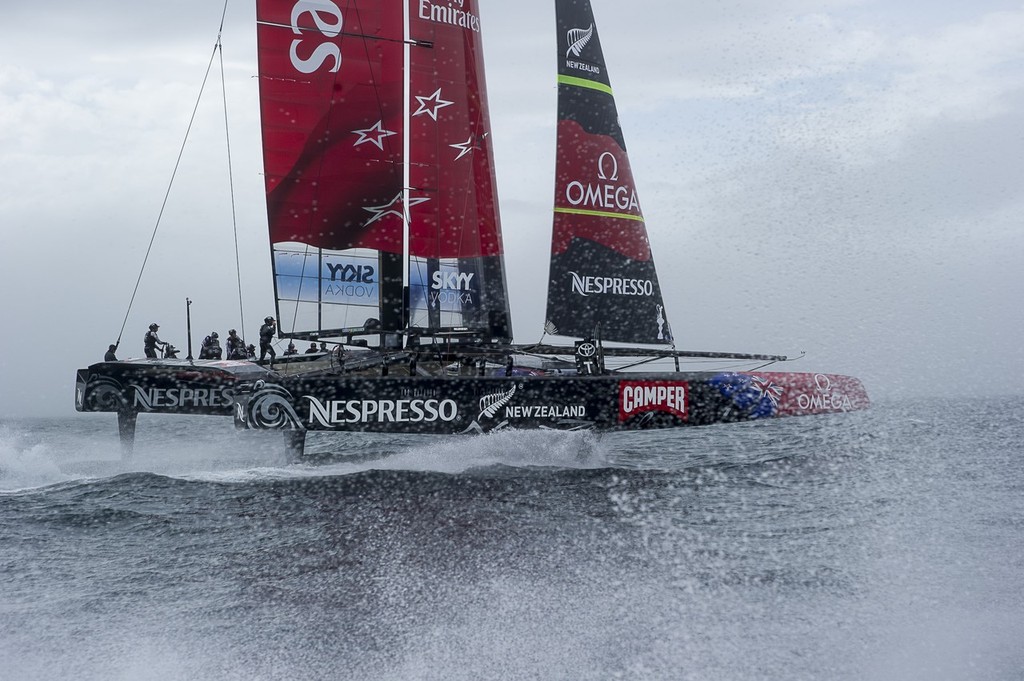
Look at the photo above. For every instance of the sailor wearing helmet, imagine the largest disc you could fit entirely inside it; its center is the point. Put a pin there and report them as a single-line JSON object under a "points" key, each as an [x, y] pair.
{"points": [[211, 347], [152, 340], [266, 336], [235, 346]]}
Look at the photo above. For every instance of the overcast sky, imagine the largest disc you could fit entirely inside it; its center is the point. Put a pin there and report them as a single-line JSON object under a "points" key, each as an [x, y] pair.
{"points": [[840, 177]]}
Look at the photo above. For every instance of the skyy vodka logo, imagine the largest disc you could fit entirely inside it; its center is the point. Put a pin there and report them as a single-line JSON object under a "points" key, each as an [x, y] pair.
{"points": [[450, 288], [347, 280], [344, 272]]}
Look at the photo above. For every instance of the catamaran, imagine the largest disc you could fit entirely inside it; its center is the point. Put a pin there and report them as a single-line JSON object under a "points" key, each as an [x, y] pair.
{"points": [[386, 242]]}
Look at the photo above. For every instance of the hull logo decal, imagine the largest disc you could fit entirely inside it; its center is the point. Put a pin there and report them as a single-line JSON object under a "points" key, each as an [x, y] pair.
{"points": [[270, 407], [578, 39], [491, 404]]}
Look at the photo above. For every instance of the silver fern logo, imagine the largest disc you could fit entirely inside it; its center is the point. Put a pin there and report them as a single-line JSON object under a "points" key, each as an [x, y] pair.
{"points": [[492, 404], [578, 39]]}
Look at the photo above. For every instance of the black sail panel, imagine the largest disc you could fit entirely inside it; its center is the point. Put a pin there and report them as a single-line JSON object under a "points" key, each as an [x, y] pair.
{"points": [[602, 280]]}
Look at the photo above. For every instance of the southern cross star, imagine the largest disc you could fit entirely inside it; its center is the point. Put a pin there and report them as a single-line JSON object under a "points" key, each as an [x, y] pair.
{"points": [[430, 105], [395, 206], [374, 135]]}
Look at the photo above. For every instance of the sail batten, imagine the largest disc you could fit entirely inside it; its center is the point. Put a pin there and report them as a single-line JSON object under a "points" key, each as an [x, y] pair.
{"points": [[602, 281]]}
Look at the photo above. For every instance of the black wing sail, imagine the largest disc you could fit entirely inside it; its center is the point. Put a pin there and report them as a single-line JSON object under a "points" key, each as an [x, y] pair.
{"points": [[602, 281]]}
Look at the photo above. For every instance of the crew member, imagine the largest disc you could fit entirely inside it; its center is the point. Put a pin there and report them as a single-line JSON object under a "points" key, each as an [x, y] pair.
{"points": [[266, 336], [211, 347], [152, 341], [109, 356], [235, 346], [291, 349], [312, 349]]}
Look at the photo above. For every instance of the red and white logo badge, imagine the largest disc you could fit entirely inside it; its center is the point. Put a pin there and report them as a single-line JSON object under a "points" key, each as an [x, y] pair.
{"points": [[637, 397]]}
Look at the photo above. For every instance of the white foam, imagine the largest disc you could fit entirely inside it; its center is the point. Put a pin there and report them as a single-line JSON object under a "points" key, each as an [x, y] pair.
{"points": [[508, 448], [24, 466], [449, 454]]}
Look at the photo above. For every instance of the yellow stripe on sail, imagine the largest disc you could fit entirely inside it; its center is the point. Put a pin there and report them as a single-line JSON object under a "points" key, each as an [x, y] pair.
{"points": [[600, 214], [583, 82]]}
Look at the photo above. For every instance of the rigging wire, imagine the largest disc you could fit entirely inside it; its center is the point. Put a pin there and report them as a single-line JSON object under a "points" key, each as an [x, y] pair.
{"points": [[231, 177], [170, 184]]}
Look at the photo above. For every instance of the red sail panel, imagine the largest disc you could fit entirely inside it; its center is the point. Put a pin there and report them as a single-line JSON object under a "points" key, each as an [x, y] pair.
{"points": [[454, 198], [595, 196], [456, 268], [331, 91]]}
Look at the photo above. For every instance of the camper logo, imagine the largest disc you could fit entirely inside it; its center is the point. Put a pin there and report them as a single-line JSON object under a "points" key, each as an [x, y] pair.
{"points": [[639, 397]]}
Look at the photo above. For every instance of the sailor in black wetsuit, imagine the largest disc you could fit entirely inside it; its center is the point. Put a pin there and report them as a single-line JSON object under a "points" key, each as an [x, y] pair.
{"points": [[211, 347], [235, 346], [266, 336], [110, 356], [152, 340]]}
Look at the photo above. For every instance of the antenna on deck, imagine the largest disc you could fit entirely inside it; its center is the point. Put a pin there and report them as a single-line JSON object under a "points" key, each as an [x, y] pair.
{"points": [[188, 326]]}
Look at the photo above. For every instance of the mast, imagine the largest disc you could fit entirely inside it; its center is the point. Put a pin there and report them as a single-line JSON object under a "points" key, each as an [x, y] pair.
{"points": [[602, 281], [407, 98]]}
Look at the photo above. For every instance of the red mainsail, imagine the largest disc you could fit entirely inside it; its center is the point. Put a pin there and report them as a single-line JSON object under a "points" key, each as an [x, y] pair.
{"points": [[331, 92], [371, 116], [451, 160], [457, 277]]}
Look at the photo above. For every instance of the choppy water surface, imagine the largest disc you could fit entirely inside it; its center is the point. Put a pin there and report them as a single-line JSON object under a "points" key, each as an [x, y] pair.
{"points": [[880, 545]]}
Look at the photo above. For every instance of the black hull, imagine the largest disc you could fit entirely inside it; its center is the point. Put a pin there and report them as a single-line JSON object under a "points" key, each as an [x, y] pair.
{"points": [[166, 386], [261, 399]]}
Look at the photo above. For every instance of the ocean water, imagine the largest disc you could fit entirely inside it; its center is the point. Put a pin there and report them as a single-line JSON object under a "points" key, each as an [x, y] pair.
{"points": [[887, 544]]}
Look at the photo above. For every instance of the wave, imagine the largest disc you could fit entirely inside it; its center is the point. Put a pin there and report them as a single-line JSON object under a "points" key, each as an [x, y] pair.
{"points": [[42, 453], [25, 464]]}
